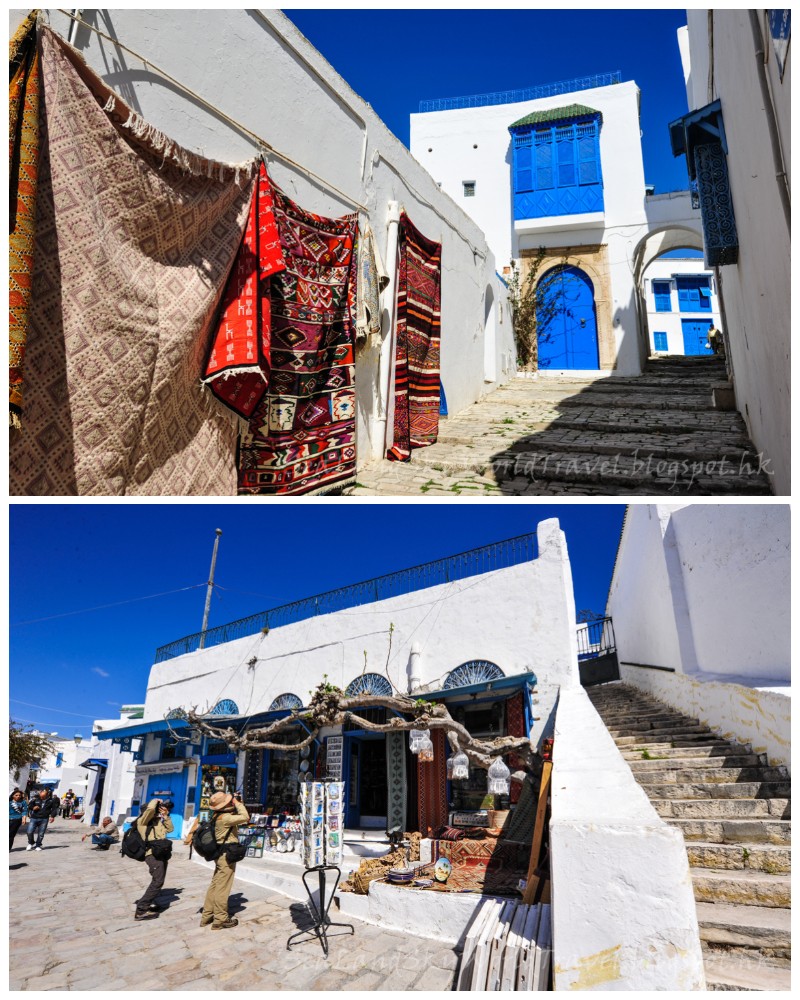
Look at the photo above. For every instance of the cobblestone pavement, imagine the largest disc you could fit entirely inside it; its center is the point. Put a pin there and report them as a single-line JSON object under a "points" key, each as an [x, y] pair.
{"points": [[654, 434], [72, 928]]}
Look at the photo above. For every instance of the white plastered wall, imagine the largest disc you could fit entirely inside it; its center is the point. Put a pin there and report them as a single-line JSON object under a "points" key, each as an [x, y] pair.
{"points": [[258, 69], [756, 290], [521, 618], [670, 323]]}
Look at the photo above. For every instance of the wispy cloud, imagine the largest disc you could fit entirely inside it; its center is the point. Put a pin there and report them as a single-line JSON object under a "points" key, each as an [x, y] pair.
{"points": [[113, 703], [99, 672]]}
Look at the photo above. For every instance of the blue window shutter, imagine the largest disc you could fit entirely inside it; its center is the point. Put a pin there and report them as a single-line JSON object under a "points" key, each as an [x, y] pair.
{"points": [[661, 293], [588, 171], [660, 341], [524, 171], [566, 157], [544, 162]]}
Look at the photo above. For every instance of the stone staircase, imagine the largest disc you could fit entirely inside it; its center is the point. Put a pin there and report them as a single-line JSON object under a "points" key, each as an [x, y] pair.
{"points": [[733, 811], [653, 434]]}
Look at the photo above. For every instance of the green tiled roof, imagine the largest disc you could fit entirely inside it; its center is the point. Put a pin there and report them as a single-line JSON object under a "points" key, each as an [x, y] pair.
{"points": [[555, 115]]}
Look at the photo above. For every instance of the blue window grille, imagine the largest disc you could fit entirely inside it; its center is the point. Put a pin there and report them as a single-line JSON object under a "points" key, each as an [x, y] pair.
{"points": [[662, 296], [369, 684], [176, 713], [472, 672], [694, 294], [700, 137], [284, 701], [225, 707], [557, 168], [660, 341]]}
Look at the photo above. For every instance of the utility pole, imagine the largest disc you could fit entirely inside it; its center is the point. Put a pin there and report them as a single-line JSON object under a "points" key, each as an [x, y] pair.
{"points": [[210, 589]]}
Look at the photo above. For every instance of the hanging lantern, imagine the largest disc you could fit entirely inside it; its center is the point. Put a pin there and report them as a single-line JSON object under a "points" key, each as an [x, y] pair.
{"points": [[425, 751], [449, 766], [460, 766], [414, 738], [498, 778]]}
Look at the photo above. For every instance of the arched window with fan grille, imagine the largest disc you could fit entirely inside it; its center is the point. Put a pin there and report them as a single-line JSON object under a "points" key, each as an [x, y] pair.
{"points": [[225, 707], [176, 713], [472, 672], [286, 701], [369, 684]]}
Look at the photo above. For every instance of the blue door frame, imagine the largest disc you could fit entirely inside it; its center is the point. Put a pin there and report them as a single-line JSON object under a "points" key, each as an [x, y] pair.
{"points": [[568, 338], [351, 773]]}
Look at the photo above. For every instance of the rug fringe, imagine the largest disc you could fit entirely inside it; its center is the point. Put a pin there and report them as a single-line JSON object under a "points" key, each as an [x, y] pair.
{"points": [[214, 407], [14, 421]]}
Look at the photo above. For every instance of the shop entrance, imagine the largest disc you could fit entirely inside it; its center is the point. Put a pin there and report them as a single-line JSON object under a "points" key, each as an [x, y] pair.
{"points": [[365, 775], [173, 787]]}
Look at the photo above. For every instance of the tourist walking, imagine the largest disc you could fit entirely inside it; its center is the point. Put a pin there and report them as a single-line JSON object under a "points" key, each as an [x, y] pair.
{"points": [[68, 804], [105, 834], [43, 808], [228, 814], [153, 825], [17, 811]]}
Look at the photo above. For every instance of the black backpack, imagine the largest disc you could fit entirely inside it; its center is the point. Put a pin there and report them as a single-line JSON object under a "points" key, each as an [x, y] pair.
{"points": [[204, 841], [133, 844]]}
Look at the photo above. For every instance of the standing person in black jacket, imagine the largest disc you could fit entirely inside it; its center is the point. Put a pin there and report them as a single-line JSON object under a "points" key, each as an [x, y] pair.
{"points": [[42, 810]]}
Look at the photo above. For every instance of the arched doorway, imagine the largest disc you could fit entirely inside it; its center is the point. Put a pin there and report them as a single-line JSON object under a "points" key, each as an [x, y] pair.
{"points": [[567, 321]]}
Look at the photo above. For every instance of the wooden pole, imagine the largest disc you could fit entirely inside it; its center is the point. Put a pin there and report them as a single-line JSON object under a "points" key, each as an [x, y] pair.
{"points": [[538, 834]]}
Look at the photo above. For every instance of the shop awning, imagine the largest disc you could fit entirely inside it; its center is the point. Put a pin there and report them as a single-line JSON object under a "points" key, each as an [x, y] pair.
{"points": [[142, 728], [48, 781], [94, 762], [516, 682]]}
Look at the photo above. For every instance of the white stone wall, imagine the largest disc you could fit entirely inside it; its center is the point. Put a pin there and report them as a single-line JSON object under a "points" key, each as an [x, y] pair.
{"points": [[761, 718], [757, 290], [624, 914], [663, 269], [258, 69], [521, 618], [704, 589]]}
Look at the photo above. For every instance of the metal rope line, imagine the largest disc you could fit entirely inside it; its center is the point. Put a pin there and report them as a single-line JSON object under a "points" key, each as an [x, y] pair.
{"points": [[262, 143]]}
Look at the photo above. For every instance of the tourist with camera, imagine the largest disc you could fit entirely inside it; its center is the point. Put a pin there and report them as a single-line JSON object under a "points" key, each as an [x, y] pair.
{"points": [[153, 826], [227, 815]]}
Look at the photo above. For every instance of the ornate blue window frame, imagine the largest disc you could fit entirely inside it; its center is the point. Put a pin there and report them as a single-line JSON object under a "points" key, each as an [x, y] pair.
{"points": [[369, 684], [700, 137], [286, 701], [472, 672], [225, 707], [556, 166]]}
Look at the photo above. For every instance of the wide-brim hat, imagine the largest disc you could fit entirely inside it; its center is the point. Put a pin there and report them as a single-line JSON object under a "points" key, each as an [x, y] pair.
{"points": [[219, 800]]}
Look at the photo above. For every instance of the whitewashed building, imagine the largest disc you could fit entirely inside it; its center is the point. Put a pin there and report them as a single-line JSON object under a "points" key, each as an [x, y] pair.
{"points": [[560, 167], [700, 604], [682, 302], [736, 140]]}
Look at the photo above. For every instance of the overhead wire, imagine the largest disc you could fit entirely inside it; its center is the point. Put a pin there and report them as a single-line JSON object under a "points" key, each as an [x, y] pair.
{"points": [[114, 604]]}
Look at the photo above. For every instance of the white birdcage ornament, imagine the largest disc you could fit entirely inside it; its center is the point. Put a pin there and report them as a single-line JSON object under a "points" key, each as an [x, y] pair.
{"points": [[425, 751], [415, 736], [460, 766], [499, 778], [449, 766]]}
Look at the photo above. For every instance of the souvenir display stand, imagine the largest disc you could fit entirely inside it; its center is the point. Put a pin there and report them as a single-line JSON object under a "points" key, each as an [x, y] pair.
{"points": [[322, 821]]}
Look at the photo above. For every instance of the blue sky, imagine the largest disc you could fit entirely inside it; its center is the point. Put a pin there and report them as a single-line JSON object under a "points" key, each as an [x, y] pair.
{"points": [[395, 58], [69, 557]]}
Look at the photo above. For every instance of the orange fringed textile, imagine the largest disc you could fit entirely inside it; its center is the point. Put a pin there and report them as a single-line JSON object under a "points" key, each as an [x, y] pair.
{"points": [[23, 143]]}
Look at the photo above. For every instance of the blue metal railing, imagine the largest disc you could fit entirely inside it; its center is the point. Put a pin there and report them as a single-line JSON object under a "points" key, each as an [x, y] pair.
{"points": [[596, 639], [498, 555], [514, 96]]}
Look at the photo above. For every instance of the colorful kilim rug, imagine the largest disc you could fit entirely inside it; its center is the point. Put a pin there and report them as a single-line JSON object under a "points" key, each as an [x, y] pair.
{"points": [[23, 142], [396, 782], [432, 786], [237, 370], [135, 239], [515, 726], [416, 400], [301, 437]]}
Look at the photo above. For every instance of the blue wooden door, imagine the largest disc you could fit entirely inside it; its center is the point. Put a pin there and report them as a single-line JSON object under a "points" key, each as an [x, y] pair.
{"points": [[567, 322], [173, 787], [352, 777], [695, 336]]}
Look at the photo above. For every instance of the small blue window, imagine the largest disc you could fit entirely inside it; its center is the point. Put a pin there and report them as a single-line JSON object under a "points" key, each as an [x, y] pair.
{"points": [[661, 294], [660, 341], [59, 759]]}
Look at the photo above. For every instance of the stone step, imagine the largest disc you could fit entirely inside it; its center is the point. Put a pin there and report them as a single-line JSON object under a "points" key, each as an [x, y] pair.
{"points": [[696, 446], [698, 399], [745, 887], [708, 775], [772, 858], [692, 751], [658, 729], [765, 927], [703, 758], [719, 790], [669, 423], [690, 737], [734, 831], [736, 974], [721, 808]]}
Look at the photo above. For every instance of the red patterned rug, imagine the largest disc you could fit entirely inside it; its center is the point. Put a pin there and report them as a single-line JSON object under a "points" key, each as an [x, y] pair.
{"points": [[515, 724], [237, 369], [432, 787], [301, 438], [416, 402]]}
